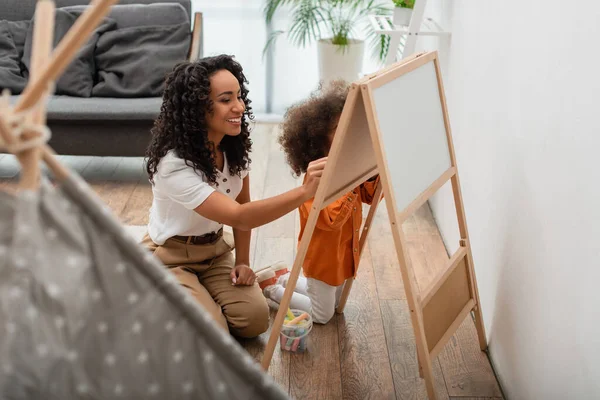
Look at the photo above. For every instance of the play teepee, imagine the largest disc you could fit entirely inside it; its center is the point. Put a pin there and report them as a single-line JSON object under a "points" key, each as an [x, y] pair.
{"points": [[86, 312]]}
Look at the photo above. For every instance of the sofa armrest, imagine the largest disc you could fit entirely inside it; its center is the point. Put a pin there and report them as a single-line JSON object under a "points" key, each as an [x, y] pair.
{"points": [[196, 49]]}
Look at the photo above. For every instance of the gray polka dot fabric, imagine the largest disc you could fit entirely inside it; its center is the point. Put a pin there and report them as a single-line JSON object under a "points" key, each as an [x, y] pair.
{"points": [[87, 313]]}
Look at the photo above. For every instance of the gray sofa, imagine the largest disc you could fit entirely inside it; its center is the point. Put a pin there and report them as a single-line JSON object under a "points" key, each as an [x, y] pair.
{"points": [[109, 110]]}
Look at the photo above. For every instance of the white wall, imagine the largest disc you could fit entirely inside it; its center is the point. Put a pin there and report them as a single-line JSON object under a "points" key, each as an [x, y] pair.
{"points": [[522, 81], [237, 27]]}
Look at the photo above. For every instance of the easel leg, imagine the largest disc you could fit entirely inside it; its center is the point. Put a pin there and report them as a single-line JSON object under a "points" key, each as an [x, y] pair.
{"points": [[361, 246], [475, 294], [426, 371], [420, 365], [477, 312], [291, 285], [344, 296], [480, 328], [283, 307]]}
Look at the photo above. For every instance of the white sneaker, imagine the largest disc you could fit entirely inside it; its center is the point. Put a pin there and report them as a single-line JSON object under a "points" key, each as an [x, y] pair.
{"points": [[270, 290], [266, 277]]}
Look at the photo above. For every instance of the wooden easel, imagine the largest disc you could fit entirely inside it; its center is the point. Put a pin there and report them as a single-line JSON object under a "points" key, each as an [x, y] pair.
{"points": [[371, 139]]}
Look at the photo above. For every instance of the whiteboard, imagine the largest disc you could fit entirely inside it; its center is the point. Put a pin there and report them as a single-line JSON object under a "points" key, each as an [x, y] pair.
{"points": [[412, 132]]}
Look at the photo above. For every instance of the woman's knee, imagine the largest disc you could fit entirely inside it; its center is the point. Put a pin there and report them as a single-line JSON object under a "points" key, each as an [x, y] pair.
{"points": [[249, 319]]}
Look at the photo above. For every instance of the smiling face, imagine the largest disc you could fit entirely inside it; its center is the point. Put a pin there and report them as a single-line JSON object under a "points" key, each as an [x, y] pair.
{"points": [[225, 118]]}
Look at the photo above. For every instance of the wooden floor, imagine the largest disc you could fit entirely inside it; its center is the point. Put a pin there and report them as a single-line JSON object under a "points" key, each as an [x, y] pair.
{"points": [[366, 353]]}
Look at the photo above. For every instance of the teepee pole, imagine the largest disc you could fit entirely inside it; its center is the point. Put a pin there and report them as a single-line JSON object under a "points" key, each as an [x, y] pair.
{"points": [[44, 77], [43, 34]]}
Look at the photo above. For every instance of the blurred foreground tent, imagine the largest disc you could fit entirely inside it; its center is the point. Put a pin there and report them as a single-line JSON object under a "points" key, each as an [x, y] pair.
{"points": [[85, 311]]}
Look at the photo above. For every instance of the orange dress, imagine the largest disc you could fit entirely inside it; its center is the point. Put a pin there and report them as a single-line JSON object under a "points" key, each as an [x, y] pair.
{"points": [[333, 253]]}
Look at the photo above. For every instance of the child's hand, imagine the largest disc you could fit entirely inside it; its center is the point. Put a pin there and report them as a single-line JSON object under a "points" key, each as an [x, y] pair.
{"points": [[242, 275], [313, 176]]}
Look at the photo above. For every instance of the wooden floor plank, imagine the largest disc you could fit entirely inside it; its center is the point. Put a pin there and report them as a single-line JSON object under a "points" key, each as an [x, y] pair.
{"points": [[270, 250], [315, 374], [466, 368], [261, 137], [474, 398], [403, 354], [136, 211], [280, 363], [278, 179], [384, 257], [364, 358], [116, 185]]}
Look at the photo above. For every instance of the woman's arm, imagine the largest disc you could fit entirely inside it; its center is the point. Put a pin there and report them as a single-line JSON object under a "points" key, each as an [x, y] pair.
{"points": [[242, 274], [241, 237], [220, 208]]}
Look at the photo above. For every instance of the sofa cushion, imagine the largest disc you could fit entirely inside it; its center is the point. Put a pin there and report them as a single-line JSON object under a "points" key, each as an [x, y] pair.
{"points": [[133, 62], [19, 29], [11, 49], [19, 10], [134, 15], [78, 78], [69, 108]]}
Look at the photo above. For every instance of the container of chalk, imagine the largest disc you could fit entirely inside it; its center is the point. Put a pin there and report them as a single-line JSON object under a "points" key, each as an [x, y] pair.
{"points": [[294, 332]]}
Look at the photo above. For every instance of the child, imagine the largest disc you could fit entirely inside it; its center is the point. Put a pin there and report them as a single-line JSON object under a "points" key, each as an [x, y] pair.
{"points": [[333, 253]]}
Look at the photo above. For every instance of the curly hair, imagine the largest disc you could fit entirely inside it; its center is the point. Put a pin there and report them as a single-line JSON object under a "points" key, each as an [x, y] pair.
{"points": [[181, 124], [307, 125]]}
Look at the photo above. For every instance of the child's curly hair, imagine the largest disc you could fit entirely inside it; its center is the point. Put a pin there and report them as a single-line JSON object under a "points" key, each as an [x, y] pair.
{"points": [[308, 124]]}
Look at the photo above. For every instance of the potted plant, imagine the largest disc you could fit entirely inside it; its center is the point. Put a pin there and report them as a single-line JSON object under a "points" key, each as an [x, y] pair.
{"points": [[334, 25], [403, 11]]}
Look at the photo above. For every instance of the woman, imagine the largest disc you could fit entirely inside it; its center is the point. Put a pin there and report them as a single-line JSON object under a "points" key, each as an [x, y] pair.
{"points": [[198, 164]]}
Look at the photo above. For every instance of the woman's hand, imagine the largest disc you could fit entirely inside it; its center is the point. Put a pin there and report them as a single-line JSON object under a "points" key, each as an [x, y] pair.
{"points": [[242, 275], [313, 176]]}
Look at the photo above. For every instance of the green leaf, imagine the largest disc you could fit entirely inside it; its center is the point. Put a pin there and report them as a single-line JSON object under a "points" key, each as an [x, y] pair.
{"points": [[340, 20], [271, 7], [305, 23], [271, 41]]}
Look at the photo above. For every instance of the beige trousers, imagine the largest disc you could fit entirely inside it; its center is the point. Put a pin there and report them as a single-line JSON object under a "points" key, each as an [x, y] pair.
{"points": [[204, 270]]}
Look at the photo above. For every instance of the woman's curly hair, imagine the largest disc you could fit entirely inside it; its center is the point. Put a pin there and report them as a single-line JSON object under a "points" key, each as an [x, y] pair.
{"points": [[308, 124], [181, 124]]}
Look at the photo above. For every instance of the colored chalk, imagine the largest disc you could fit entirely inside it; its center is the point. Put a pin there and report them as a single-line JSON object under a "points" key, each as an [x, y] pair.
{"points": [[290, 314], [299, 318], [294, 331]]}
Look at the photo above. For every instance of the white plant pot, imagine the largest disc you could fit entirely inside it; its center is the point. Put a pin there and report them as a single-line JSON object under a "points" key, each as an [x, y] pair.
{"points": [[402, 16], [336, 62]]}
